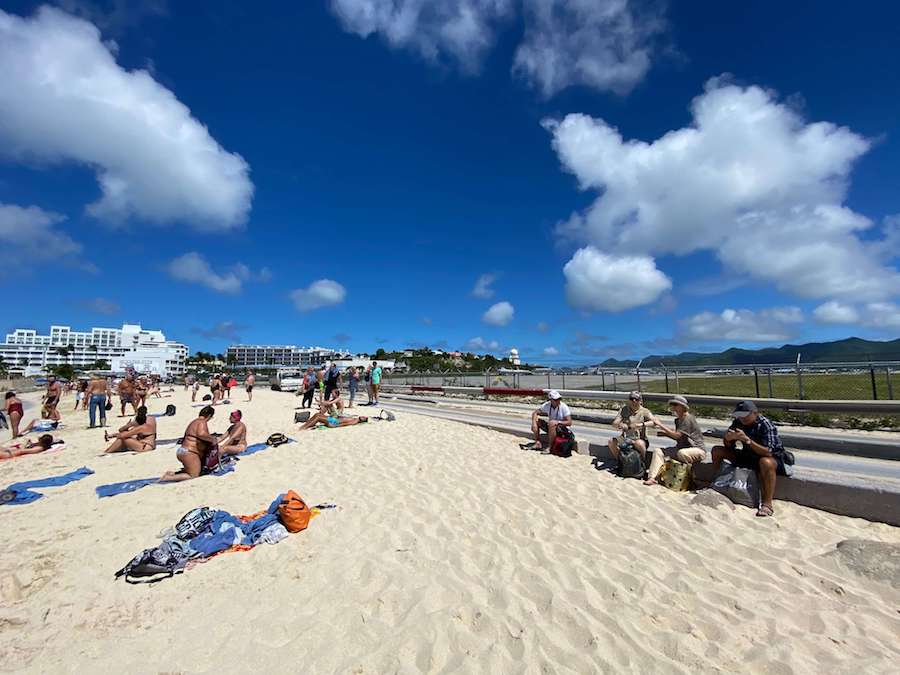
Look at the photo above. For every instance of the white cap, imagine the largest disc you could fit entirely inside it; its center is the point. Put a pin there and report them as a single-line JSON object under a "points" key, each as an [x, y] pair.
{"points": [[553, 395]]}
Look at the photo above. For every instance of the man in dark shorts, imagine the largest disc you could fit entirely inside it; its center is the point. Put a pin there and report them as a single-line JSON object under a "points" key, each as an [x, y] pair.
{"points": [[760, 449], [248, 383], [332, 380], [126, 393], [51, 399]]}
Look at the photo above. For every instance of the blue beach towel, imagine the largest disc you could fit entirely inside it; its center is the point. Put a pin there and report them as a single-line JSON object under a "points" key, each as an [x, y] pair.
{"points": [[25, 495], [257, 447], [114, 489]]}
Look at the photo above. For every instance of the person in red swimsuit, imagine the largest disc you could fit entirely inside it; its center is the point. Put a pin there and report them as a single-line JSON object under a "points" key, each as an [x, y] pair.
{"points": [[15, 412]]}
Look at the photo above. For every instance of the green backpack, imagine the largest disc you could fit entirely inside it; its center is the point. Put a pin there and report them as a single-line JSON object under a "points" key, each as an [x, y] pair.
{"points": [[630, 463]]}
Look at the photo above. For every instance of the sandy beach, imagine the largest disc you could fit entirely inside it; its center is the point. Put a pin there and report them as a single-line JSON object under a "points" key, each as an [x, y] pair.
{"points": [[451, 550]]}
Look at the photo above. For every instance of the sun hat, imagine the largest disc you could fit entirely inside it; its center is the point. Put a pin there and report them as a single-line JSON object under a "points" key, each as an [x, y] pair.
{"points": [[680, 400], [743, 409], [553, 395], [635, 396]]}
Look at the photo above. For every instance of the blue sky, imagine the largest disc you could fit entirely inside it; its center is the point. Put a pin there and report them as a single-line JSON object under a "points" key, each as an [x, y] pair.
{"points": [[625, 178]]}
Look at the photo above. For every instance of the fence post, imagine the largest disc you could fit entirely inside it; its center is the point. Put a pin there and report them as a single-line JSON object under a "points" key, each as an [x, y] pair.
{"points": [[564, 379], [756, 380], [677, 383], [874, 387], [887, 374], [666, 371], [602, 380], [799, 380], [637, 372], [548, 381], [614, 381], [771, 390]]}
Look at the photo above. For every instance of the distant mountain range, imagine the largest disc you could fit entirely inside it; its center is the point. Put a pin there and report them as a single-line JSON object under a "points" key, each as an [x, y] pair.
{"points": [[851, 349]]}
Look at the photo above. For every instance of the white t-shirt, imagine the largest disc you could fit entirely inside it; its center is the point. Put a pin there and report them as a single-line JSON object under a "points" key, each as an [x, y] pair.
{"points": [[560, 412]]}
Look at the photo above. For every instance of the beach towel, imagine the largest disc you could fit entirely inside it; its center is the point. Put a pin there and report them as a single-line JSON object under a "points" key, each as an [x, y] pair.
{"points": [[113, 489], [256, 447], [22, 493]]}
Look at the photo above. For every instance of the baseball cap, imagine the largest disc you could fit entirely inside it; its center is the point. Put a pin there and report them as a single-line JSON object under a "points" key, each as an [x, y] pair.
{"points": [[553, 395], [680, 400], [635, 396], [743, 409]]}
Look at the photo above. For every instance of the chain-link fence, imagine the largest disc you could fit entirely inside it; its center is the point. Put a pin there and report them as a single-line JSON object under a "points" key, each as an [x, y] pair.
{"points": [[831, 381]]}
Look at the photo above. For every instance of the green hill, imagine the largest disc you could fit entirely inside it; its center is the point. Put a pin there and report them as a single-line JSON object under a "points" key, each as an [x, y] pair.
{"points": [[850, 349]]}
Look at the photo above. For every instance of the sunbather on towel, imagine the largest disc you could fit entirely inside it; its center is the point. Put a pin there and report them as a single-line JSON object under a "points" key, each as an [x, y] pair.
{"points": [[234, 442], [28, 447], [195, 445], [139, 435], [333, 404], [332, 422]]}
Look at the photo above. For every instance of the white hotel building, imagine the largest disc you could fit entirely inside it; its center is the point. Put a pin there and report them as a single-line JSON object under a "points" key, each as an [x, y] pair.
{"points": [[283, 356], [147, 351]]}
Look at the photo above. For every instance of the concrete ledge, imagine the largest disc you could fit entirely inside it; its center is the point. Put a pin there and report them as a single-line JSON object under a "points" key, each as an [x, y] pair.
{"points": [[873, 499]]}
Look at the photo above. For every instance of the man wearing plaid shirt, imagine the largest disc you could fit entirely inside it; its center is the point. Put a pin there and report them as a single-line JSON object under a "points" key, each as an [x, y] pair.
{"points": [[760, 449]]}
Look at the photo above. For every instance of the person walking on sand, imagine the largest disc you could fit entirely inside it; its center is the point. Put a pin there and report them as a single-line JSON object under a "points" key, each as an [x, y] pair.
{"points": [[51, 399], [234, 442], [126, 393], [195, 446], [195, 387], [139, 435], [248, 383], [352, 383], [97, 393], [14, 411], [376, 382]]}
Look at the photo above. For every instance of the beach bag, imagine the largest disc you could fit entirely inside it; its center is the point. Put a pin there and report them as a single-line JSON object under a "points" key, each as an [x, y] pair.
{"points": [[108, 405], [740, 485], [675, 475], [630, 463], [212, 461], [207, 397], [170, 410], [301, 417], [564, 443], [277, 439], [195, 522], [293, 512], [153, 564]]}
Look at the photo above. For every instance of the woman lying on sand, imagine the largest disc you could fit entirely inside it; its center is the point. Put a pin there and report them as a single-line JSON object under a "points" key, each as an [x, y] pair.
{"points": [[139, 435], [332, 422], [195, 445], [29, 447]]}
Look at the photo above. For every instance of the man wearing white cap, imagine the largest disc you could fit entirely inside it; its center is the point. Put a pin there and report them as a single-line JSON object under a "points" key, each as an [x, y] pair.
{"points": [[689, 445], [558, 414]]}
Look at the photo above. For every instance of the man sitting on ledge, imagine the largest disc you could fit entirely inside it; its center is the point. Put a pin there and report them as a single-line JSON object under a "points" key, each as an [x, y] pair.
{"points": [[632, 422], [761, 450], [558, 414]]}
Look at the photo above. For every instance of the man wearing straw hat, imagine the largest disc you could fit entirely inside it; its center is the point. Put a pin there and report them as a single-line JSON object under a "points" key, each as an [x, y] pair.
{"points": [[689, 445]]}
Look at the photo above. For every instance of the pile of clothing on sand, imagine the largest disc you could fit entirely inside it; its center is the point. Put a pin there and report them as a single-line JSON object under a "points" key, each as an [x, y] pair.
{"points": [[204, 532]]}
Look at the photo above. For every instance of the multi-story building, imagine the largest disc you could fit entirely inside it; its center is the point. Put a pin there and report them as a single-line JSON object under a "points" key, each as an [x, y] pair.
{"points": [[280, 356], [146, 350]]}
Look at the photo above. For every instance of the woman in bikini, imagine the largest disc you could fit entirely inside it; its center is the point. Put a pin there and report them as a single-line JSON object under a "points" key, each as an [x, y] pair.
{"points": [[14, 411], [195, 445], [331, 422], [234, 442], [30, 447], [139, 435]]}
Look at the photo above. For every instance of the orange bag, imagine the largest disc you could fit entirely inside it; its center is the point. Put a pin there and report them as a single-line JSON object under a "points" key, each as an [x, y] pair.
{"points": [[293, 512]]}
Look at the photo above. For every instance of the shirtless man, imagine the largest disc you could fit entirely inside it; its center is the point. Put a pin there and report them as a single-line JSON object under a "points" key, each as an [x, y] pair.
{"points": [[51, 398], [126, 393], [29, 447], [195, 445], [248, 383], [140, 393], [139, 435], [234, 442], [195, 387], [97, 394], [332, 422]]}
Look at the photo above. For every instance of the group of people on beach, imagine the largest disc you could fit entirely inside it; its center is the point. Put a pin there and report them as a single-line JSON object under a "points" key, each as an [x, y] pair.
{"points": [[751, 441], [327, 382], [220, 386]]}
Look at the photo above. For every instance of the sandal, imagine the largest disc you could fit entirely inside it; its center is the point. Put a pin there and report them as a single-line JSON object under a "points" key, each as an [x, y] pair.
{"points": [[765, 511]]}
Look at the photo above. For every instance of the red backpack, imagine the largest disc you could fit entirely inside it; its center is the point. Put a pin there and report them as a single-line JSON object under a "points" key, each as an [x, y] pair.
{"points": [[564, 443]]}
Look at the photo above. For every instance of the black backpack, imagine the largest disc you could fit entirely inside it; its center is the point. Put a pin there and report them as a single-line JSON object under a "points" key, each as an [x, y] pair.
{"points": [[170, 410], [630, 463], [154, 564]]}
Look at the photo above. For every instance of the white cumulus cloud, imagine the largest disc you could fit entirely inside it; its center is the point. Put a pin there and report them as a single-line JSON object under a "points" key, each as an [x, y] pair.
{"points": [[194, 268], [482, 288], [459, 30], [750, 179], [596, 281], [63, 98], [602, 44], [551, 351], [30, 236], [321, 293], [743, 325], [499, 314], [836, 312], [479, 344], [882, 315]]}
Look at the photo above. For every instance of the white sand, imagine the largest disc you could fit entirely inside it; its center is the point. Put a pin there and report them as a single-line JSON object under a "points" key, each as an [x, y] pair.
{"points": [[452, 550]]}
